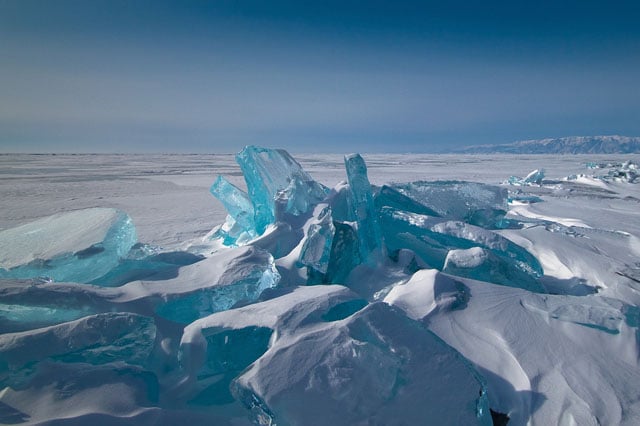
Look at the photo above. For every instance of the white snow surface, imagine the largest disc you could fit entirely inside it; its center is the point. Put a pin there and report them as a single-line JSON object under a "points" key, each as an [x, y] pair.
{"points": [[414, 348]]}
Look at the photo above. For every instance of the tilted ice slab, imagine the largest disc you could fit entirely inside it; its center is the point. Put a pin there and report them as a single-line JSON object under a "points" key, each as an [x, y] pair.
{"points": [[219, 282], [547, 359], [277, 185], [476, 203], [330, 361], [433, 239], [239, 226], [77, 246]]}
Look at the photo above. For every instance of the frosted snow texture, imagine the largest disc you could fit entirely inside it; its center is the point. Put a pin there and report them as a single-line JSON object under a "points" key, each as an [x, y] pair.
{"points": [[78, 246]]}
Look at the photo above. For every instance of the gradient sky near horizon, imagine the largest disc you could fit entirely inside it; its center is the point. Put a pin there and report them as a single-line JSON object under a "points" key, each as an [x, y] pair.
{"points": [[325, 76]]}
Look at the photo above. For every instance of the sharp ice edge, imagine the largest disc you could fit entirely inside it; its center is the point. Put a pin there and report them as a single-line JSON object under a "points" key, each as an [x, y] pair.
{"points": [[78, 246]]}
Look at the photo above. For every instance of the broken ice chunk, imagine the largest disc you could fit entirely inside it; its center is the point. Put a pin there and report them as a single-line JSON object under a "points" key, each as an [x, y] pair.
{"points": [[391, 197], [316, 250], [95, 339], [476, 203], [368, 229], [239, 225], [271, 174], [533, 178], [432, 239], [214, 284], [482, 265], [77, 246], [367, 368]]}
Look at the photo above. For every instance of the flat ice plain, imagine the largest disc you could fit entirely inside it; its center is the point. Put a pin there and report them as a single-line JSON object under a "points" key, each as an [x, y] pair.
{"points": [[570, 357]]}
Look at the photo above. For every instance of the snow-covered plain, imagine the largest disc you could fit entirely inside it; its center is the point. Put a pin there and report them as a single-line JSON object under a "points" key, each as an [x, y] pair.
{"points": [[396, 341]]}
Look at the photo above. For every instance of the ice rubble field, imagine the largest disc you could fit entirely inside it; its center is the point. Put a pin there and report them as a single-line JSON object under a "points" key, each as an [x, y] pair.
{"points": [[454, 290]]}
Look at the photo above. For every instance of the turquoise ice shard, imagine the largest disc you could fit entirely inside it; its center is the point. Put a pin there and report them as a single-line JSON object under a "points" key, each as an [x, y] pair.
{"points": [[476, 203], [316, 250], [368, 228], [533, 178], [239, 225], [272, 174], [77, 246]]}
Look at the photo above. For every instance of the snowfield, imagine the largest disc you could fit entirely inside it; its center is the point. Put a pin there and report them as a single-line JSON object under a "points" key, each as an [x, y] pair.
{"points": [[382, 289]]}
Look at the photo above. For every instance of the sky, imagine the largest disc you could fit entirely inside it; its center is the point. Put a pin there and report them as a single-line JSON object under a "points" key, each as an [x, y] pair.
{"points": [[318, 76]]}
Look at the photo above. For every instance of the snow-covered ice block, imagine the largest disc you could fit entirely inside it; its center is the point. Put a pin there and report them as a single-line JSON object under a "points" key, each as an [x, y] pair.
{"points": [[432, 239], [476, 203], [360, 364], [368, 228], [95, 339], [226, 278], [483, 265], [522, 341], [77, 246], [273, 176]]}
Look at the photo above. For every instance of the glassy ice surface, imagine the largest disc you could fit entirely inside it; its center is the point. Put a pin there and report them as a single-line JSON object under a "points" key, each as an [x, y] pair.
{"points": [[272, 174], [78, 246], [240, 225], [368, 229], [476, 203], [243, 287]]}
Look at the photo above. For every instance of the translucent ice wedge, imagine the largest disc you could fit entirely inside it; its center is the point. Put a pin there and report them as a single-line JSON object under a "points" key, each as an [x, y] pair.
{"points": [[273, 174], [77, 246]]}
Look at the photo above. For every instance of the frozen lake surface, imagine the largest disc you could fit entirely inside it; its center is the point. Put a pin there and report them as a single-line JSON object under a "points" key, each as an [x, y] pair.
{"points": [[535, 316]]}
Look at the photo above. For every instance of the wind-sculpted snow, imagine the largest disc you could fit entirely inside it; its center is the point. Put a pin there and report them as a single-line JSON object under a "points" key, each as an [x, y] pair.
{"points": [[77, 246], [366, 367], [426, 302], [547, 359]]}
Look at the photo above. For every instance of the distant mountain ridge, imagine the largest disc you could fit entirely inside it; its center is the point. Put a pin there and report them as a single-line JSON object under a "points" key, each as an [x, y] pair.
{"points": [[568, 145]]}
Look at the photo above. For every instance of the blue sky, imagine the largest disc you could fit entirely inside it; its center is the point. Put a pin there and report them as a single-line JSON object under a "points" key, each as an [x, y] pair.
{"points": [[326, 76]]}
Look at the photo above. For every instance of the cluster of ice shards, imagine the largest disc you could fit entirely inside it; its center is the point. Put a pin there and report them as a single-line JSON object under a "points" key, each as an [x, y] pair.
{"points": [[78, 246], [627, 172], [235, 329], [533, 178], [354, 225]]}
